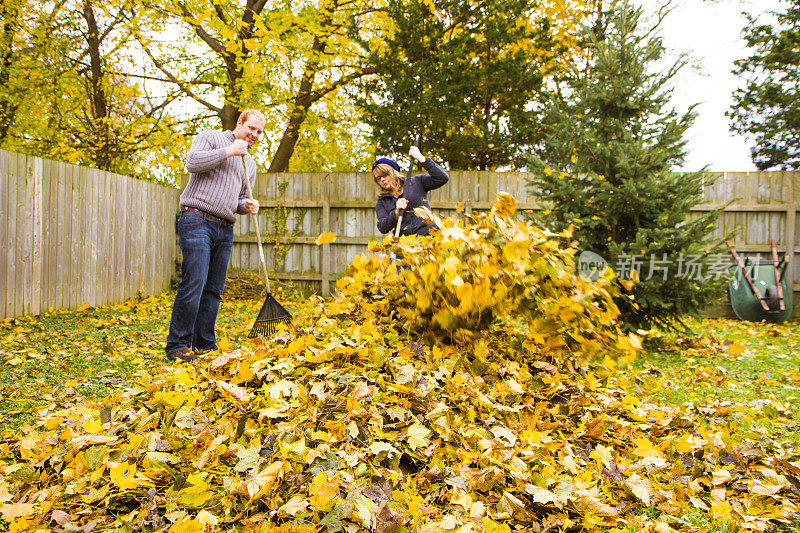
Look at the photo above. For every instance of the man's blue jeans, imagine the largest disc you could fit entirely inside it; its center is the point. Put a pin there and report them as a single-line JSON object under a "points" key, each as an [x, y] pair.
{"points": [[206, 250]]}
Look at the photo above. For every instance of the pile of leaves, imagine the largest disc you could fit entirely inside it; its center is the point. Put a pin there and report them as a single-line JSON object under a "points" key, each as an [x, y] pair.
{"points": [[472, 389]]}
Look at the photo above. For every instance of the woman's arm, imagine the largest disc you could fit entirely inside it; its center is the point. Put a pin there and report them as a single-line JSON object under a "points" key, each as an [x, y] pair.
{"points": [[384, 211], [436, 176]]}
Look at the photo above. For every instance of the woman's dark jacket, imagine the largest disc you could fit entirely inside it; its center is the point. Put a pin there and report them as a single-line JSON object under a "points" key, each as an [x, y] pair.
{"points": [[415, 191]]}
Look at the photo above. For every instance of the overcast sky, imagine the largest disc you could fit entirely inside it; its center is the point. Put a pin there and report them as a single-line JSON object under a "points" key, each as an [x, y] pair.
{"points": [[710, 31]]}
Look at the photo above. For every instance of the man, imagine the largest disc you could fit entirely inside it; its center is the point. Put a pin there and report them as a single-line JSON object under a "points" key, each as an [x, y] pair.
{"points": [[215, 192]]}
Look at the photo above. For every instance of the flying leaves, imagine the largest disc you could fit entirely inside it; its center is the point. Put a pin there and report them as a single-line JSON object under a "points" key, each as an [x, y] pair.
{"points": [[325, 238]]}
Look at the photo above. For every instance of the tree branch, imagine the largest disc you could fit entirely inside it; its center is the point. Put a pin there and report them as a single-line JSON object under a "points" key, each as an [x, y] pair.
{"points": [[184, 89]]}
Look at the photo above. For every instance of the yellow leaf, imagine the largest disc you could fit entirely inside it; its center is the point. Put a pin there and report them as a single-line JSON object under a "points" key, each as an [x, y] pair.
{"points": [[721, 477], [645, 448], [721, 511], [663, 527], [17, 510], [187, 525], [207, 519], [323, 491], [196, 492], [122, 475], [417, 436], [262, 482], [640, 487], [544, 496], [92, 425], [635, 342], [505, 206], [325, 238], [295, 505]]}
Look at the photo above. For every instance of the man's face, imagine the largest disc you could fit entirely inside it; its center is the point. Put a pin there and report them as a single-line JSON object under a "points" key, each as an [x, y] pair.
{"points": [[250, 130]]}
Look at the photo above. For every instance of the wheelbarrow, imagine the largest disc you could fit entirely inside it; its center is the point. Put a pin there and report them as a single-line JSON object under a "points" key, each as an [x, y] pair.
{"points": [[759, 290]]}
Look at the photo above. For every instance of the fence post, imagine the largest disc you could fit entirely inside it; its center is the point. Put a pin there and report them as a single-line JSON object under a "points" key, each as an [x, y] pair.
{"points": [[34, 206], [325, 270], [791, 214]]}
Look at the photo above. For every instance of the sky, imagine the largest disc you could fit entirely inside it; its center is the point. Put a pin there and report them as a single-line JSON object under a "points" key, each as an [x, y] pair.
{"points": [[710, 32]]}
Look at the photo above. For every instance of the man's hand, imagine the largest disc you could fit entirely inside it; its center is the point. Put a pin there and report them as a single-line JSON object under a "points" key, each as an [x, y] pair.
{"points": [[237, 147], [251, 206], [402, 203], [416, 154]]}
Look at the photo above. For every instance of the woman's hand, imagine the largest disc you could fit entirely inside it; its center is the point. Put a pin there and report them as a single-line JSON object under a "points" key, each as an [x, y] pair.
{"points": [[402, 203], [416, 154]]}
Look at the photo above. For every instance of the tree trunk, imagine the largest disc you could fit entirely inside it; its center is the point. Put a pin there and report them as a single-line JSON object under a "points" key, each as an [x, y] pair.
{"points": [[229, 115], [280, 161], [8, 108], [300, 106], [99, 100]]}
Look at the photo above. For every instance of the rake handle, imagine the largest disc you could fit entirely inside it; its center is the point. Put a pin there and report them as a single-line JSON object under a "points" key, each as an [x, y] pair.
{"points": [[408, 176], [255, 223]]}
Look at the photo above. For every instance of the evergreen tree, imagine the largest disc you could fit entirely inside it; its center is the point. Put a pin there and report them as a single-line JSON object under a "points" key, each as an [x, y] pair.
{"points": [[466, 75], [611, 140], [767, 109]]}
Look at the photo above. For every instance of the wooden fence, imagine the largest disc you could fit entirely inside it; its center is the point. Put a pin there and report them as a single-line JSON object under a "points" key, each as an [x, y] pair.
{"points": [[298, 207], [72, 235]]}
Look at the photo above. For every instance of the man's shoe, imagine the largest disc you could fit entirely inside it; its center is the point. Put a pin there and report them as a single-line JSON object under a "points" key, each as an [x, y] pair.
{"points": [[203, 351], [185, 355]]}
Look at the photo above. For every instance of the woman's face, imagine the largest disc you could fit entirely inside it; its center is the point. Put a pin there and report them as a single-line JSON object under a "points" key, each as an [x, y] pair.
{"points": [[385, 182]]}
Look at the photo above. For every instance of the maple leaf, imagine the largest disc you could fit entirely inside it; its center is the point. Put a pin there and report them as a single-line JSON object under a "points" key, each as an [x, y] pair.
{"points": [[325, 238], [417, 436]]}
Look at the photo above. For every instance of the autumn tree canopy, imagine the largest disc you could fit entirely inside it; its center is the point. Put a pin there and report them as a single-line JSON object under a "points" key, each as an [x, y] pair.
{"points": [[468, 76]]}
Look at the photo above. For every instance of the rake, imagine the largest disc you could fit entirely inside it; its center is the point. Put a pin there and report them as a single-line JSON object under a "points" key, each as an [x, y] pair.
{"points": [[272, 313], [408, 176]]}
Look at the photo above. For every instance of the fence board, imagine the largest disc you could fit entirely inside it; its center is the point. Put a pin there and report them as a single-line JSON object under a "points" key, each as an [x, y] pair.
{"points": [[69, 236], [48, 235], [102, 238], [5, 221], [21, 253]]}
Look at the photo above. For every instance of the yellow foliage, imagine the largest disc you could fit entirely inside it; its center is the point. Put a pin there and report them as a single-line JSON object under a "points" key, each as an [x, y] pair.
{"points": [[472, 391]]}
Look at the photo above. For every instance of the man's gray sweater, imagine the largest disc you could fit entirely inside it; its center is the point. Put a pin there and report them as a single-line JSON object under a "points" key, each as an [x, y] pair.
{"points": [[216, 181]]}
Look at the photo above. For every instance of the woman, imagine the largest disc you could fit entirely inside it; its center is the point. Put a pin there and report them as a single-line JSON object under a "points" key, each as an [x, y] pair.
{"points": [[398, 193]]}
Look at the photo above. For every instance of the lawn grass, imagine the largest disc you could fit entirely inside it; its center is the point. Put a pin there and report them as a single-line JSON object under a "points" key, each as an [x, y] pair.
{"points": [[65, 356], [748, 371]]}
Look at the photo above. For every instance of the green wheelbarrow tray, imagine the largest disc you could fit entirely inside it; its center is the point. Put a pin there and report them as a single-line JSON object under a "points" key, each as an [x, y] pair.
{"points": [[746, 303]]}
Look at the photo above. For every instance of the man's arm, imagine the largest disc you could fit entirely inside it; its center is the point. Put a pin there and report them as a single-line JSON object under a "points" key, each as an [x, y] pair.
{"points": [[247, 204], [205, 155]]}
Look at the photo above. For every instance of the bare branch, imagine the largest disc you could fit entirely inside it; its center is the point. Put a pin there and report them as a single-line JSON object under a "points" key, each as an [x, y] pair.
{"points": [[184, 89]]}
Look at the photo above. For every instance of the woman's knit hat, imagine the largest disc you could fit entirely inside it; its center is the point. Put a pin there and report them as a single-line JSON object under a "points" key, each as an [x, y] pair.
{"points": [[391, 162]]}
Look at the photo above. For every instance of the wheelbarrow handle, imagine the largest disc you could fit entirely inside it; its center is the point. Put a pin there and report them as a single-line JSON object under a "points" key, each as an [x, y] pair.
{"points": [[747, 277]]}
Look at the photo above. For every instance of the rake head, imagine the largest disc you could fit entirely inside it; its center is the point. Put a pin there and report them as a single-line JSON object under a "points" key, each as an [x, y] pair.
{"points": [[272, 313]]}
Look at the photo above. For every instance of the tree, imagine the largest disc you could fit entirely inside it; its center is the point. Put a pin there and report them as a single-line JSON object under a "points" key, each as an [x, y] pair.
{"points": [[287, 56], [610, 142], [767, 109], [466, 74], [67, 77], [25, 42]]}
